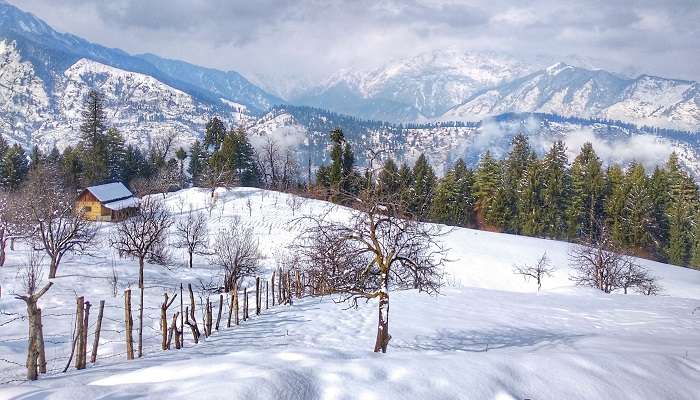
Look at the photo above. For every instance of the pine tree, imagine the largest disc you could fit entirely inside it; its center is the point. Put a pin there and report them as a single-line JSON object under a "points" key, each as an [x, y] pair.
{"points": [[424, 180], [236, 154], [587, 185], [13, 167], [638, 211], [487, 180], [529, 201], [556, 189], [659, 188], [36, 157], [615, 194], [682, 207], [214, 135], [135, 164], [181, 156], [516, 163], [93, 138], [115, 147], [695, 251], [197, 161], [453, 202], [388, 182]]}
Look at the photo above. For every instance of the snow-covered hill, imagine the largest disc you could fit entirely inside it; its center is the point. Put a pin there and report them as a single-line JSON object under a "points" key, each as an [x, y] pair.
{"points": [[571, 91], [488, 335]]}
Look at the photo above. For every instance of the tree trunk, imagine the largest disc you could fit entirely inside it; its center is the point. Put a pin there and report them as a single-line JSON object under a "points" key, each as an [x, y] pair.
{"points": [[129, 322], [140, 352], [32, 351], [193, 324], [40, 342], [3, 243], [98, 328], [235, 294], [190, 263], [53, 268], [267, 294], [383, 336], [230, 311]]}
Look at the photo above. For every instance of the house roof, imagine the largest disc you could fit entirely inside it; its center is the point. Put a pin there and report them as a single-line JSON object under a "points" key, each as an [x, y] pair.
{"points": [[117, 205], [110, 192]]}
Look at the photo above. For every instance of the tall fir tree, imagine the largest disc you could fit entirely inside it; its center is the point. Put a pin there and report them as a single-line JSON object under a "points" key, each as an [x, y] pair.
{"points": [[13, 167], [423, 187], [453, 202], [115, 146], [587, 186], [514, 167], [92, 141], [487, 179], [529, 202], [197, 162], [638, 211], [214, 135], [615, 195], [388, 181], [556, 189]]}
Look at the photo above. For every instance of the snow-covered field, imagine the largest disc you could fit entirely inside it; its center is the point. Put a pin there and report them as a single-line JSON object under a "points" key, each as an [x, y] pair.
{"points": [[488, 335]]}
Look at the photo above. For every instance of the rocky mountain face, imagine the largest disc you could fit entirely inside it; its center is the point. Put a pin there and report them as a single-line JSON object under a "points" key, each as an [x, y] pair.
{"points": [[571, 91], [414, 89]]}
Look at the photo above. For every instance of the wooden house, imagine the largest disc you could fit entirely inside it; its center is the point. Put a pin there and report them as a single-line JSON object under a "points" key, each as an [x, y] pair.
{"points": [[108, 202]]}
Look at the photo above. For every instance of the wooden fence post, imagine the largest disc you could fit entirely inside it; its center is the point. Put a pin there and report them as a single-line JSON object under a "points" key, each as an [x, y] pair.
{"points": [[273, 288], [182, 319], [164, 320], [209, 317], [218, 314], [258, 295], [245, 303], [80, 312], [129, 322], [98, 328], [235, 296], [230, 310], [267, 294]]}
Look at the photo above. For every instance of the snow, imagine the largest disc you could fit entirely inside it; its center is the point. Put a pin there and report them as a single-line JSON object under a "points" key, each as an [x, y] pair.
{"points": [[488, 335], [110, 191]]}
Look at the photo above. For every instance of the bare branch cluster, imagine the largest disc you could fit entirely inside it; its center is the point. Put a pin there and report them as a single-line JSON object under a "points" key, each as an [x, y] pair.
{"points": [[378, 248], [236, 253], [601, 264], [192, 234], [538, 272]]}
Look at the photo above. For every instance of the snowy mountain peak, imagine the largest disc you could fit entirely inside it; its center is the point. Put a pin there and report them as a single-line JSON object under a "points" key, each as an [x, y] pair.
{"points": [[557, 68]]}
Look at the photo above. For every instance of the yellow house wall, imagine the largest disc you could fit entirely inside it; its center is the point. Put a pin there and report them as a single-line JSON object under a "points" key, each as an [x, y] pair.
{"points": [[94, 211]]}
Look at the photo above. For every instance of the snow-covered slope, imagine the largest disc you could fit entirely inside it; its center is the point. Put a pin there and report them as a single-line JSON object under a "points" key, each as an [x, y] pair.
{"points": [[570, 91], [488, 335]]}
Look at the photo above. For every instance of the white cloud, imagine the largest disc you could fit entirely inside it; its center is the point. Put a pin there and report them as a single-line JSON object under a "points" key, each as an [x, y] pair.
{"points": [[648, 150]]}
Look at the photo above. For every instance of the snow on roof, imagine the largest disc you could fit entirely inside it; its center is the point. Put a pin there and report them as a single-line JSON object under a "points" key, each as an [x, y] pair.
{"points": [[122, 204], [110, 192]]}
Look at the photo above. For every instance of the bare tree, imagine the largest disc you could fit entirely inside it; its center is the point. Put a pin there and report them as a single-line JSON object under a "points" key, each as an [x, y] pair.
{"points": [[31, 277], [58, 227], [160, 148], [142, 236], [601, 264], [295, 202], [374, 252], [192, 234], [213, 177], [236, 253], [540, 270], [12, 220]]}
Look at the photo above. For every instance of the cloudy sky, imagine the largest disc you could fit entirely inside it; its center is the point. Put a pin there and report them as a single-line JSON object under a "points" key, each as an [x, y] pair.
{"points": [[312, 38]]}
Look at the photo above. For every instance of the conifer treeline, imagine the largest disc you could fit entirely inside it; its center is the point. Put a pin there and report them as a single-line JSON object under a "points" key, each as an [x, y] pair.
{"points": [[653, 214]]}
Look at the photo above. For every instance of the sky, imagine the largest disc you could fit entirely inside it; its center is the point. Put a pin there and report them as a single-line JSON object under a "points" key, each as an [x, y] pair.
{"points": [[307, 40]]}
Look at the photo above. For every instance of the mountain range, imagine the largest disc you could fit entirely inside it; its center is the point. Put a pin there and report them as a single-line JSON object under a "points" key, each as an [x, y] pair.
{"points": [[446, 102]]}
